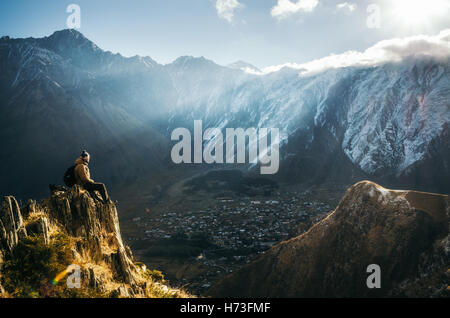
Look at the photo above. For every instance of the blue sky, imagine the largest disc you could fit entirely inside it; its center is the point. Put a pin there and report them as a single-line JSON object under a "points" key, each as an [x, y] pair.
{"points": [[261, 32]]}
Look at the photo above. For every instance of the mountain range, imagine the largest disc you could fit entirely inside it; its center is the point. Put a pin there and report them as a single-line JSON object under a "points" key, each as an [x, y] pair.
{"points": [[62, 93]]}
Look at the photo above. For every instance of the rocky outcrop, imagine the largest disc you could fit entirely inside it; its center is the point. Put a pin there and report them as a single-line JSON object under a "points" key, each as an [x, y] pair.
{"points": [[106, 263], [406, 233], [97, 223], [11, 224]]}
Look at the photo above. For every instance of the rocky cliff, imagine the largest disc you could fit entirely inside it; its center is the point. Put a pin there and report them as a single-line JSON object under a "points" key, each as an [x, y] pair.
{"points": [[40, 243], [406, 233]]}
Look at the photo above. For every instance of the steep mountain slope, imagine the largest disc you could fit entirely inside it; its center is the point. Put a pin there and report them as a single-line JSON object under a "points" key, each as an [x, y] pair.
{"points": [[406, 233], [381, 119], [66, 231], [54, 102], [385, 119]]}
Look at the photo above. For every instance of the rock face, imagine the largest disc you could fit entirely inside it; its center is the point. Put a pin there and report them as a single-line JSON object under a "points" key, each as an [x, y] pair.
{"points": [[11, 224], [106, 263], [406, 233], [98, 224]]}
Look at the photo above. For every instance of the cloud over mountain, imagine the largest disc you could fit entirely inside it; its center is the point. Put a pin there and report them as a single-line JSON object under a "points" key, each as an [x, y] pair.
{"points": [[393, 50]]}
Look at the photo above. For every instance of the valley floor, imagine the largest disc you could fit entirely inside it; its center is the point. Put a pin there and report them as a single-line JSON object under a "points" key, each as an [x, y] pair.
{"points": [[196, 237]]}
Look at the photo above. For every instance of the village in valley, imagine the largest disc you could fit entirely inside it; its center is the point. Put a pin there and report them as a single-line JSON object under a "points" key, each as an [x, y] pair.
{"points": [[211, 242]]}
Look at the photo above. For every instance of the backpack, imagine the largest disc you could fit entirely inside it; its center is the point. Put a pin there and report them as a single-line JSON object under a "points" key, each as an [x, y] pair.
{"points": [[69, 177]]}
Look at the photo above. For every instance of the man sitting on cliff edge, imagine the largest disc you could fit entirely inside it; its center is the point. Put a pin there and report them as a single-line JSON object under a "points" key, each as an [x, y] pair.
{"points": [[83, 177]]}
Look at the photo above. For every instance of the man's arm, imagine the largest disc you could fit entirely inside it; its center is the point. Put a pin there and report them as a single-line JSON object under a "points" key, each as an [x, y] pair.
{"points": [[87, 174], [84, 174]]}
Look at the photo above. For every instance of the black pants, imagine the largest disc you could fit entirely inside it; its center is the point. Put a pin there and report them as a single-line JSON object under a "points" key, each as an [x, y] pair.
{"points": [[97, 186]]}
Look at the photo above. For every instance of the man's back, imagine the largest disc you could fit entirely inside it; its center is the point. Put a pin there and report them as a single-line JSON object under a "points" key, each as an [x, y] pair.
{"points": [[82, 174]]}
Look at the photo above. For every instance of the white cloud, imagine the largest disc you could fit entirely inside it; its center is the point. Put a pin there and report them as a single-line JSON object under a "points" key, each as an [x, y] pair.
{"points": [[225, 8], [346, 5], [393, 50], [285, 8]]}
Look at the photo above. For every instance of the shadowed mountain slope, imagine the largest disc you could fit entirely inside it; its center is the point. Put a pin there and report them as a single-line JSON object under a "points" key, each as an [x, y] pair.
{"points": [[406, 233]]}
